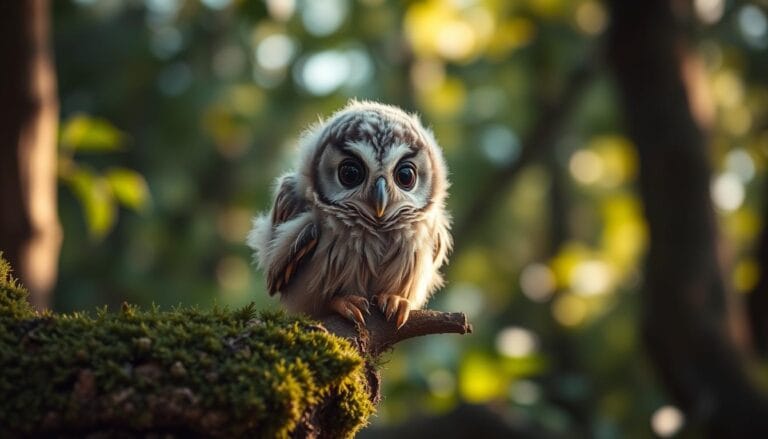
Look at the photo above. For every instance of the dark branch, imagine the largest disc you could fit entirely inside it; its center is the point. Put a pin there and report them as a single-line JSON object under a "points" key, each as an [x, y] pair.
{"points": [[380, 334], [539, 142]]}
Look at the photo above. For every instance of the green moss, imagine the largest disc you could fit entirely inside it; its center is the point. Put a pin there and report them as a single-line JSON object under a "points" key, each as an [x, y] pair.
{"points": [[223, 372]]}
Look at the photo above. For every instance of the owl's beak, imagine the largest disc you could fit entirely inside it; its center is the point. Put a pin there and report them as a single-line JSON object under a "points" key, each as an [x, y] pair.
{"points": [[380, 196]]}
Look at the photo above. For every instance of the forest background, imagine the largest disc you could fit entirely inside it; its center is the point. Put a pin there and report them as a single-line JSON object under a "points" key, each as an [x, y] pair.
{"points": [[582, 137]]}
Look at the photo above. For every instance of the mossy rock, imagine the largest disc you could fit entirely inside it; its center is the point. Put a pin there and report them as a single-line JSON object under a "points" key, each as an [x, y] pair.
{"points": [[182, 372]]}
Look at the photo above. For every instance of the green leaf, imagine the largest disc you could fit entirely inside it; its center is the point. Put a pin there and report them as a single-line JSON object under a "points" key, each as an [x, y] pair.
{"points": [[85, 133], [129, 187], [95, 195]]}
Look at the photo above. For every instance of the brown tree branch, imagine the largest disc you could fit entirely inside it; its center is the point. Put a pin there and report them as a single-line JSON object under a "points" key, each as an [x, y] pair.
{"points": [[684, 321], [380, 334]]}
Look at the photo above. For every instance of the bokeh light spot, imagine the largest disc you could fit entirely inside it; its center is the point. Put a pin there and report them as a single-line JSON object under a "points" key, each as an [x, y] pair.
{"points": [[479, 378], [324, 72], [323, 17], [537, 282], [455, 40], [667, 420], [591, 278], [500, 145], [281, 10], [591, 17], [741, 164], [753, 25], [728, 192], [586, 166], [709, 11], [275, 52], [569, 310], [516, 342]]}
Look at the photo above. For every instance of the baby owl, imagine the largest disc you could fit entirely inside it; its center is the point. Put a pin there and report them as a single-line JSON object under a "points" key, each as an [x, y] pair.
{"points": [[361, 217]]}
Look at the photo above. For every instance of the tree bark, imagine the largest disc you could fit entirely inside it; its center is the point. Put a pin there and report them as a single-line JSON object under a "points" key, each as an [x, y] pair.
{"points": [[380, 334], [684, 321], [30, 235]]}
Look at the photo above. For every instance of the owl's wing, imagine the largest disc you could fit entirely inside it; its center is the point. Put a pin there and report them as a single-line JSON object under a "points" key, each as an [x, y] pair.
{"points": [[443, 242], [288, 203], [299, 242]]}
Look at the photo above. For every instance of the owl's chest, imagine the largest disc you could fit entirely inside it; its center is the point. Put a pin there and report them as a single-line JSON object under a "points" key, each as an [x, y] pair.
{"points": [[363, 260], [372, 251]]}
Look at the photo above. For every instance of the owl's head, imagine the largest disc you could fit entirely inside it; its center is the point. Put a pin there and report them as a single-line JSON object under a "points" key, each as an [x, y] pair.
{"points": [[376, 162]]}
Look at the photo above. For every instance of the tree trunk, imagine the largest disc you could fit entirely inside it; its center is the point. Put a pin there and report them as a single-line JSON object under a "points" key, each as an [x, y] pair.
{"points": [[684, 322], [30, 234]]}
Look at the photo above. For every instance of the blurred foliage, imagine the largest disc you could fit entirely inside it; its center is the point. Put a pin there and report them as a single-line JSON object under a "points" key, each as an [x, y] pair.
{"points": [[98, 193], [199, 104]]}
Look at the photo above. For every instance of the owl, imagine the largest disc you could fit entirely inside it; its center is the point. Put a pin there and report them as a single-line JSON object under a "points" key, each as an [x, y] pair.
{"points": [[361, 219]]}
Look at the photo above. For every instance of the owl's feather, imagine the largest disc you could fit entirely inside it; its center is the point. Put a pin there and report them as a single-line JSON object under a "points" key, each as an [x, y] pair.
{"points": [[288, 203], [287, 226]]}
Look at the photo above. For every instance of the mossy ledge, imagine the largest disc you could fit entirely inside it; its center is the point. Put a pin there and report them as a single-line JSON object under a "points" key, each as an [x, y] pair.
{"points": [[183, 372]]}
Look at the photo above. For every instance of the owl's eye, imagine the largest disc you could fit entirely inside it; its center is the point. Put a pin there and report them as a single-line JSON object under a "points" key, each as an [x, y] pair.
{"points": [[351, 173], [405, 176]]}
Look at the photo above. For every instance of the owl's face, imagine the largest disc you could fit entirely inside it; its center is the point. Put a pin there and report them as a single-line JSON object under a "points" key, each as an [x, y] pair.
{"points": [[378, 162]]}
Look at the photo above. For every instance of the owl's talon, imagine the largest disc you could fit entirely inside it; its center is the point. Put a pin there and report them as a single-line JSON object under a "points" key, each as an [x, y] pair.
{"points": [[361, 303], [391, 305], [350, 307], [390, 313], [403, 310]]}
